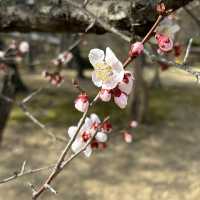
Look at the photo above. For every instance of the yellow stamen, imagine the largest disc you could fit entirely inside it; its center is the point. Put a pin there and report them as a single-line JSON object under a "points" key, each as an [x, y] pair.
{"points": [[103, 71]]}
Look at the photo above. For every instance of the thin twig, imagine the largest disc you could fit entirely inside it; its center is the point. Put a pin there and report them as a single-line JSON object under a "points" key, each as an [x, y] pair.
{"points": [[61, 158], [188, 50]]}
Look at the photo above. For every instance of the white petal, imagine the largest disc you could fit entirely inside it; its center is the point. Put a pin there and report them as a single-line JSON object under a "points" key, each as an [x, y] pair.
{"points": [[121, 101], [95, 80], [95, 118], [101, 137], [112, 60], [77, 145], [88, 151], [96, 56], [71, 131], [87, 124], [115, 79]]}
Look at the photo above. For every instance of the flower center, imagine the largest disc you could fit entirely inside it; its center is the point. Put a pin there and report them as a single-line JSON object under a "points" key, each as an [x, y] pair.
{"points": [[103, 71]]}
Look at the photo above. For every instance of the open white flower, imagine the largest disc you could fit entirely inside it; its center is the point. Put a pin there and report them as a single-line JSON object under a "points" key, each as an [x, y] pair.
{"points": [[86, 132], [108, 70]]}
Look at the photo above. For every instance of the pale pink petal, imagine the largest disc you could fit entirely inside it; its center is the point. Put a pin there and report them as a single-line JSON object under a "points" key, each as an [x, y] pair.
{"points": [[126, 84], [81, 106], [121, 101], [105, 95]]}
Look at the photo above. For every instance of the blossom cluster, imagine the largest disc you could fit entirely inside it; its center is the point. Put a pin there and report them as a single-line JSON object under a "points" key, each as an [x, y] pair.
{"points": [[93, 131], [54, 78], [63, 58], [16, 50], [110, 76]]}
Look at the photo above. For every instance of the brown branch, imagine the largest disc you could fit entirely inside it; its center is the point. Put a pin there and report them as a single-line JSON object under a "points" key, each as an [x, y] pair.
{"points": [[59, 165], [66, 18]]}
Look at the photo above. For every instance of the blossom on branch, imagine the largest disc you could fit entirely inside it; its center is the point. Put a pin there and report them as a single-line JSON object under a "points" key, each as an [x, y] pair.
{"points": [[91, 129], [108, 70], [82, 102], [164, 42], [136, 49], [120, 92], [55, 78]]}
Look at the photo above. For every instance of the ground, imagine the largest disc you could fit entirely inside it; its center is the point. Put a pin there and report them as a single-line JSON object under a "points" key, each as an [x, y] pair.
{"points": [[162, 163]]}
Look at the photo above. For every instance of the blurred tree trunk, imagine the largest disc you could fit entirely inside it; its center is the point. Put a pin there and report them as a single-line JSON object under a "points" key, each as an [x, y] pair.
{"points": [[139, 107], [8, 89], [17, 80], [80, 62]]}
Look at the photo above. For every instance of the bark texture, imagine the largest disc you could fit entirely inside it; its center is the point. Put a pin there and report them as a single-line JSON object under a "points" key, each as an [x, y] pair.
{"points": [[125, 15]]}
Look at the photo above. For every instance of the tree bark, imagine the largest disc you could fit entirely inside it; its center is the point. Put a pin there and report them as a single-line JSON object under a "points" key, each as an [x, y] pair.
{"points": [[125, 15], [8, 89]]}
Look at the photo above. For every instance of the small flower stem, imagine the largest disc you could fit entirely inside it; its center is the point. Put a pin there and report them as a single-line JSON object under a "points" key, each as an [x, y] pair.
{"points": [[148, 35], [145, 39]]}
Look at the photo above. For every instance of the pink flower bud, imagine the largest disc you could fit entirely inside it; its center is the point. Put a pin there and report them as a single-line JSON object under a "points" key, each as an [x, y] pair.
{"points": [[65, 57], [120, 98], [136, 49], [105, 95], [106, 127], [126, 84], [56, 62], [82, 102], [128, 137], [24, 47], [133, 124], [164, 42]]}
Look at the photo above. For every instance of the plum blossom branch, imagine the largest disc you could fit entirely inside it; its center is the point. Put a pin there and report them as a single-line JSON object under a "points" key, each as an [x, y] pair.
{"points": [[59, 165]]}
